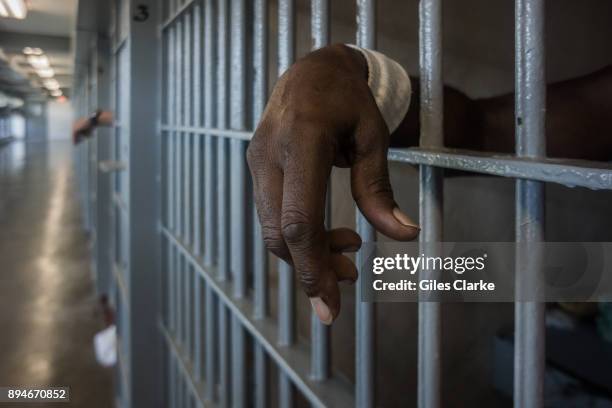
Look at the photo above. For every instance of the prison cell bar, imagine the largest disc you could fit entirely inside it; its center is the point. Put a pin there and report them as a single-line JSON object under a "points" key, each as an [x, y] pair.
{"points": [[260, 263], [364, 311], [187, 182], [178, 117], [197, 195], [286, 284], [238, 194], [222, 194], [210, 237], [320, 333], [210, 207], [431, 181], [529, 351]]}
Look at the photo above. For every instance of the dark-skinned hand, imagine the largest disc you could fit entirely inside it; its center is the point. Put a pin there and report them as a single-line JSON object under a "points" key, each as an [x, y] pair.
{"points": [[321, 114]]}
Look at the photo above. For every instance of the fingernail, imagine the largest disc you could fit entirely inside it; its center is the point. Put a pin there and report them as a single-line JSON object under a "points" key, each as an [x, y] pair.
{"points": [[322, 311], [404, 219]]}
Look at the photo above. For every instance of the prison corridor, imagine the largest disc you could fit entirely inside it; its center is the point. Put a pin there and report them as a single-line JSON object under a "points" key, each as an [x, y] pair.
{"points": [[49, 312]]}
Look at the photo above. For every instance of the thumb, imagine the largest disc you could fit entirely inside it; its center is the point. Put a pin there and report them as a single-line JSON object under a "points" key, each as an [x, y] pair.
{"points": [[372, 192]]}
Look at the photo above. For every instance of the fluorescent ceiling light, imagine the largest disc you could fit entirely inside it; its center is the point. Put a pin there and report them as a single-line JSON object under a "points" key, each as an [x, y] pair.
{"points": [[45, 72], [51, 84], [3, 11], [16, 8], [30, 50], [38, 61]]}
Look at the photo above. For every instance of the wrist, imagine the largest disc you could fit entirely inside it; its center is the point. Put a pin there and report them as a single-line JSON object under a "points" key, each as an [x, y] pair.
{"points": [[94, 119]]}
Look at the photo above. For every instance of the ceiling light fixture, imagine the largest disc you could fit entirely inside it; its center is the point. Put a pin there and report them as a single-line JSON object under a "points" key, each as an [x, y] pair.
{"points": [[14, 8], [3, 11], [45, 72], [30, 50], [56, 93], [38, 61], [51, 84]]}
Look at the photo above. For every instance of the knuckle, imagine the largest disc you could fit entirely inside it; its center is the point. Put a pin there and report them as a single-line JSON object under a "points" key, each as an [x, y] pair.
{"points": [[379, 185], [273, 240], [309, 283], [297, 227]]}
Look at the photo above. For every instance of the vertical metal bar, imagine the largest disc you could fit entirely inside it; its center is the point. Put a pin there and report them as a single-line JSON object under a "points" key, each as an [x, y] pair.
{"points": [[364, 312], [170, 136], [260, 259], [209, 200], [261, 377], [197, 326], [238, 194], [210, 146], [431, 187], [224, 397], [286, 286], [222, 194], [197, 197], [180, 300], [172, 283], [187, 137], [171, 380], [529, 340], [319, 333], [320, 23], [187, 182], [189, 273], [196, 84], [237, 159], [210, 344], [222, 170], [286, 397], [239, 387], [260, 62], [181, 388], [171, 139], [178, 100]]}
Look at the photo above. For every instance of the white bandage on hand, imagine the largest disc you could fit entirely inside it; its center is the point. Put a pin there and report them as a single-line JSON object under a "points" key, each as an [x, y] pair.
{"points": [[390, 86]]}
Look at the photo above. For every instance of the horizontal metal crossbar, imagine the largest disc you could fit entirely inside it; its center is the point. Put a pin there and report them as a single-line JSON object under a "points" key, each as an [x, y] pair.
{"points": [[571, 173], [294, 361], [230, 133], [175, 15]]}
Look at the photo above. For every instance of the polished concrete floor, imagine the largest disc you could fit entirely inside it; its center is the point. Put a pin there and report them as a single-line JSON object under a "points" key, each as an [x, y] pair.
{"points": [[48, 309]]}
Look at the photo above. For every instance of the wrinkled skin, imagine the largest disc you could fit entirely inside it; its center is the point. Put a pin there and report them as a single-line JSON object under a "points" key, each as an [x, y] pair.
{"points": [[321, 114]]}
